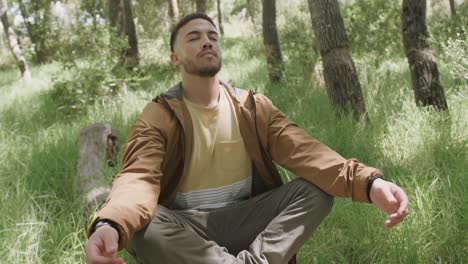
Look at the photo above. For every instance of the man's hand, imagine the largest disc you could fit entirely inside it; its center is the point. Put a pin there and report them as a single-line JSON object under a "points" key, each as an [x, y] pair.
{"points": [[391, 199], [102, 246]]}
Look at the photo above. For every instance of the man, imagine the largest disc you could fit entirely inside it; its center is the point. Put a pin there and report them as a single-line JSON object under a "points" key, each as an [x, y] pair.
{"points": [[198, 182]]}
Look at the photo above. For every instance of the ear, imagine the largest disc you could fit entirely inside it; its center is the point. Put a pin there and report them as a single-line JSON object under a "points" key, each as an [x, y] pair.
{"points": [[175, 59]]}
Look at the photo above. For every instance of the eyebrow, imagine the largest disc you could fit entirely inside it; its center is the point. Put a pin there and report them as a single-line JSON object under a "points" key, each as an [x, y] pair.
{"points": [[195, 32]]}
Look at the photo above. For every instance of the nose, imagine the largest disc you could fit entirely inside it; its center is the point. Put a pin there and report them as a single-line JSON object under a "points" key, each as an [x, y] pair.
{"points": [[207, 43]]}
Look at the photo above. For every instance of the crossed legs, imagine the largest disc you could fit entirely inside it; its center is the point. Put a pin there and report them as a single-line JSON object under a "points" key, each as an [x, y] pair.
{"points": [[269, 228]]}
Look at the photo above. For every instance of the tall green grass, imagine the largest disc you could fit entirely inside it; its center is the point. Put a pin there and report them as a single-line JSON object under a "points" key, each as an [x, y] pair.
{"points": [[423, 151]]}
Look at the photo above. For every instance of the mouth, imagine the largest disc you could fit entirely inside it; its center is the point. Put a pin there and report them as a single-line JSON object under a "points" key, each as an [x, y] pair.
{"points": [[203, 54]]}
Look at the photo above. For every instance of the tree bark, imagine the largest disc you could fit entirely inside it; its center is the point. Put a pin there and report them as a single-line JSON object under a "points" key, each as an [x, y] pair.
{"points": [[201, 6], [220, 17], [98, 145], [425, 78], [121, 20], [341, 79], [40, 29], [13, 42], [251, 10], [174, 11], [452, 7], [274, 59]]}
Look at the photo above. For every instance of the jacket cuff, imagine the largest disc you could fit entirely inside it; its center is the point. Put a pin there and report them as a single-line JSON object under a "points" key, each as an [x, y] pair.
{"points": [[103, 215], [361, 183]]}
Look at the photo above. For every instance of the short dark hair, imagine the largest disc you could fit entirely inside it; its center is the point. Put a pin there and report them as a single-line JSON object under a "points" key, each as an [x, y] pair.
{"points": [[182, 22]]}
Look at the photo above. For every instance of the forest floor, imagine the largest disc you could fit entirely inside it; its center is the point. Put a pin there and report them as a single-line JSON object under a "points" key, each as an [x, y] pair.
{"points": [[423, 151]]}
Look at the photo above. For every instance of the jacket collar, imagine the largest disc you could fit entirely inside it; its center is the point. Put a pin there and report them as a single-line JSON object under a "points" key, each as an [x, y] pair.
{"points": [[177, 91]]}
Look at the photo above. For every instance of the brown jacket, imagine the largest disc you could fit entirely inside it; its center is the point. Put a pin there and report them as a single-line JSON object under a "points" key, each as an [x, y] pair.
{"points": [[159, 148]]}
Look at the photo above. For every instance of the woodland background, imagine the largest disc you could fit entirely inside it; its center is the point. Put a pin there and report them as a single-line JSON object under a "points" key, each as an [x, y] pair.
{"points": [[383, 81]]}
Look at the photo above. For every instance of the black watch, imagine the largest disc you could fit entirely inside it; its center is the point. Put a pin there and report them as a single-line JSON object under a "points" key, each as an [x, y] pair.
{"points": [[371, 181]]}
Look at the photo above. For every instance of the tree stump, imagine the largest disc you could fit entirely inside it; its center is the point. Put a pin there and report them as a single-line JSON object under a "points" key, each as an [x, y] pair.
{"points": [[98, 146]]}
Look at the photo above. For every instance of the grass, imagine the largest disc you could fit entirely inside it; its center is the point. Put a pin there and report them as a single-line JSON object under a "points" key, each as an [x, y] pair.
{"points": [[423, 151]]}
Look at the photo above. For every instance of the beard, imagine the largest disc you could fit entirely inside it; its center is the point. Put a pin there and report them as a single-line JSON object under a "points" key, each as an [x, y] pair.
{"points": [[205, 71]]}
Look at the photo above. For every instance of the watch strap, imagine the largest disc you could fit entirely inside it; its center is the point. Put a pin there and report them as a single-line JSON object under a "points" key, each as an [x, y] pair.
{"points": [[371, 181]]}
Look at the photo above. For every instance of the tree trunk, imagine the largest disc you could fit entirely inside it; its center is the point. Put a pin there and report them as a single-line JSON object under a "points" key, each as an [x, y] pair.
{"points": [[452, 7], [220, 17], [121, 20], [37, 31], [270, 40], [425, 78], [341, 79], [251, 10], [96, 11], [13, 42], [174, 11], [201, 6]]}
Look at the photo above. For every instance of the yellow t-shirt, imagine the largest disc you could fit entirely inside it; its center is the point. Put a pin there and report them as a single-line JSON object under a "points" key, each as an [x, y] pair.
{"points": [[220, 169]]}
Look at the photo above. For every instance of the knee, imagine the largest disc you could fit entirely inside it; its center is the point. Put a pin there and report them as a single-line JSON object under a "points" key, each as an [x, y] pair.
{"points": [[152, 236], [146, 242], [325, 201], [163, 215], [315, 197]]}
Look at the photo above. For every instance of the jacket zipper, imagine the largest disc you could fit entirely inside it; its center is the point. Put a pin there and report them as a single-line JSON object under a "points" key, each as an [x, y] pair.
{"points": [[270, 167]]}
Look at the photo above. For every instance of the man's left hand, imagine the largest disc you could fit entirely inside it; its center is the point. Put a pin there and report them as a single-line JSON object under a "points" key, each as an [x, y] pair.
{"points": [[391, 199]]}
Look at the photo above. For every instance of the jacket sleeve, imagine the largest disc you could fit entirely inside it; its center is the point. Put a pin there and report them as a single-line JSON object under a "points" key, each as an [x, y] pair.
{"points": [[294, 149], [135, 190]]}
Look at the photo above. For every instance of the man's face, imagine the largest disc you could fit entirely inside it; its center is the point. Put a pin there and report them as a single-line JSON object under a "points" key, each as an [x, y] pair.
{"points": [[197, 49]]}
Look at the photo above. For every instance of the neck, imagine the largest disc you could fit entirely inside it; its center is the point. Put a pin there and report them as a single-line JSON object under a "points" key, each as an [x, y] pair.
{"points": [[202, 91]]}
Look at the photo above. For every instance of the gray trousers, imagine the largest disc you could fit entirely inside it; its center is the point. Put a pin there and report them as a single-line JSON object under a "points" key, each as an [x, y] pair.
{"points": [[268, 228]]}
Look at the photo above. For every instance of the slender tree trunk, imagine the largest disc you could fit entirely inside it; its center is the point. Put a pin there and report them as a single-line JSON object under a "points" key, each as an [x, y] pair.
{"points": [[174, 10], [132, 53], [201, 6], [38, 32], [452, 7], [121, 20], [270, 40], [95, 10], [341, 79], [425, 78], [13, 42], [220, 17], [251, 11]]}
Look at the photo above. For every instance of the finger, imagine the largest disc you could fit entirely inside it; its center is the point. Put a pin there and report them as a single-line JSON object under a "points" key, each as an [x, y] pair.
{"points": [[92, 248], [99, 250], [95, 251], [105, 260], [394, 219], [119, 261], [389, 223], [401, 196], [110, 245], [397, 215]]}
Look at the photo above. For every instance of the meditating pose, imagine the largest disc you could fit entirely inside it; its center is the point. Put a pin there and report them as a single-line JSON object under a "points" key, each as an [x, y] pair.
{"points": [[199, 182]]}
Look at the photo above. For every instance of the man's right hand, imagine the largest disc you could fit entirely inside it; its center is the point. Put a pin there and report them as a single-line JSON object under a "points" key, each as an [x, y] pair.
{"points": [[102, 246]]}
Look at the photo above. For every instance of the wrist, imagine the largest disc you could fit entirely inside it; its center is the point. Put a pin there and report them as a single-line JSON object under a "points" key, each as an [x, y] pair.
{"points": [[372, 179], [107, 224], [101, 224]]}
